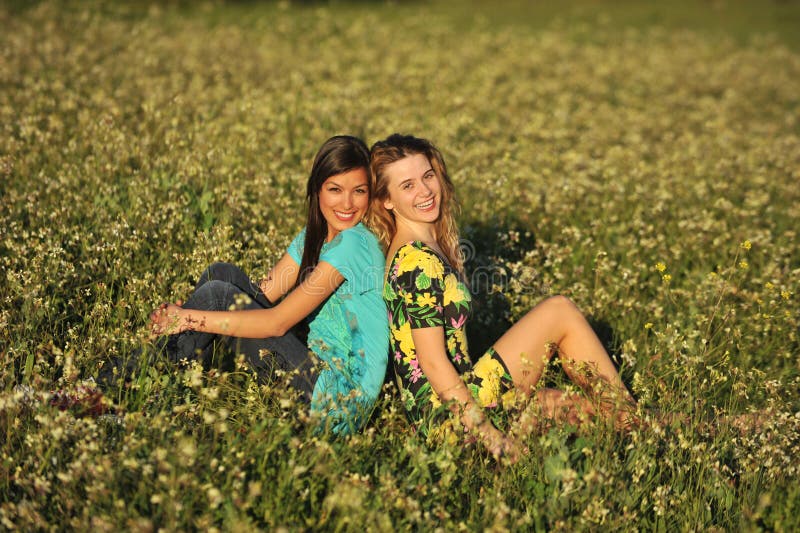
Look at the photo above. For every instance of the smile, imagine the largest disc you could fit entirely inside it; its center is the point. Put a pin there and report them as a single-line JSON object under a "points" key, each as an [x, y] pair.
{"points": [[426, 205], [346, 217]]}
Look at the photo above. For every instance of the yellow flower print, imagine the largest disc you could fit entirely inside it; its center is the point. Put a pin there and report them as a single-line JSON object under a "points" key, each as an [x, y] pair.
{"points": [[408, 297], [426, 300], [461, 341], [435, 402], [451, 344], [490, 371], [444, 433], [403, 336], [488, 367], [487, 393], [408, 261], [430, 265], [509, 399], [453, 291]]}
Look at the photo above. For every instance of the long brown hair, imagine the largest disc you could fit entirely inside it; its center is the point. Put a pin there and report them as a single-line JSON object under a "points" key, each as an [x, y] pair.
{"points": [[338, 155], [394, 148]]}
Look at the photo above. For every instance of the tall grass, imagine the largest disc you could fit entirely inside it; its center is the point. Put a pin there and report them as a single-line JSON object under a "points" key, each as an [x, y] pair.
{"points": [[650, 174]]}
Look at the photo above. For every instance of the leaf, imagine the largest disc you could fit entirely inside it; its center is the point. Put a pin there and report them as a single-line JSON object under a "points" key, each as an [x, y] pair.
{"points": [[423, 281], [388, 292]]}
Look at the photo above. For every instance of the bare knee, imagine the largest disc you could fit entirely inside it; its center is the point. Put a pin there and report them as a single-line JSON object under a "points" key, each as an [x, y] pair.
{"points": [[560, 305]]}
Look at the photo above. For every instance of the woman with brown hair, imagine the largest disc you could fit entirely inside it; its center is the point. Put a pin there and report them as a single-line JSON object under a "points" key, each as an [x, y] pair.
{"points": [[331, 274]]}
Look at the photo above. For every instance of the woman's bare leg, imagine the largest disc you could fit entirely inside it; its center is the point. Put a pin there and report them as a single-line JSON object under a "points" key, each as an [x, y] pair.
{"points": [[557, 324], [554, 406]]}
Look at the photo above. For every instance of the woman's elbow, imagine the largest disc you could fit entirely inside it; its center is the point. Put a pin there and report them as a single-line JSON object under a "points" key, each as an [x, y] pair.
{"points": [[279, 330]]}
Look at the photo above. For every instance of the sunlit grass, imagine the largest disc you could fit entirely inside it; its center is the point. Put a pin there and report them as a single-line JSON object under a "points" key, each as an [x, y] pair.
{"points": [[648, 170]]}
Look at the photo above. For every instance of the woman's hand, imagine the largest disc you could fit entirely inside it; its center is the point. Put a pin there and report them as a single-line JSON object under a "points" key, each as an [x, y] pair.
{"points": [[500, 445], [168, 319]]}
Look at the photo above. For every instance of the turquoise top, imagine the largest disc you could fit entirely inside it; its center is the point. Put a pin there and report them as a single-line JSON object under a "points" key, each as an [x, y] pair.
{"points": [[350, 331]]}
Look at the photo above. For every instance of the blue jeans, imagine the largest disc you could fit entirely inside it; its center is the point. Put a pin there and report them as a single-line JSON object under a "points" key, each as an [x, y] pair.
{"points": [[221, 286]]}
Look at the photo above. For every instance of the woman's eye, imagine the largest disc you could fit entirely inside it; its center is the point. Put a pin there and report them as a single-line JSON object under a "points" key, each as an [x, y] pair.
{"points": [[361, 191], [406, 186]]}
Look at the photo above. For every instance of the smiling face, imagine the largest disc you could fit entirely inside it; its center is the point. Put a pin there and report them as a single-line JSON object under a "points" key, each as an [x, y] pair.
{"points": [[343, 200], [414, 190]]}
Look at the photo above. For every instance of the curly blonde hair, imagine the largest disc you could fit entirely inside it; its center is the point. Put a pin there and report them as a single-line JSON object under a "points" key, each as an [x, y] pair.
{"points": [[381, 220]]}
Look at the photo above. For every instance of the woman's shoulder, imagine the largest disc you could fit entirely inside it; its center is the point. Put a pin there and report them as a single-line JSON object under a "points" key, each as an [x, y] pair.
{"points": [[356, 245], [416, 249], [415, 259], [357, 236]]}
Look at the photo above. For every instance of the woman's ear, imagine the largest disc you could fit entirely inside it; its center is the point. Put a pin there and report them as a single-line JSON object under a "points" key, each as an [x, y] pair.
{"points": [[388, 205]]}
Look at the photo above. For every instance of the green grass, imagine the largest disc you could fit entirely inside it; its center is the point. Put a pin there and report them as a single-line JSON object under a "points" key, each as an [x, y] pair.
{"points": [[739, 19], [641, 158]]}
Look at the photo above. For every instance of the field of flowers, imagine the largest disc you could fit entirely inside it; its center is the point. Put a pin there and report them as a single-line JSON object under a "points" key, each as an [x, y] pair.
{"points": [[650, 174]]}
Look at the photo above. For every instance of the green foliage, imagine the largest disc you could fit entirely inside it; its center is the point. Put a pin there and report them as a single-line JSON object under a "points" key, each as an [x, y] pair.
{"points": [[649, 172]]}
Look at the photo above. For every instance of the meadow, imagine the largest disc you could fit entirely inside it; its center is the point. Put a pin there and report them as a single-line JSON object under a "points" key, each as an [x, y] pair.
{"points": [[645, 167]]}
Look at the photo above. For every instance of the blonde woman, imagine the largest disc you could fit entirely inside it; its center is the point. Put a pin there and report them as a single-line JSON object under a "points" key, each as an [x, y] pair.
{"points": [[429, 306]]}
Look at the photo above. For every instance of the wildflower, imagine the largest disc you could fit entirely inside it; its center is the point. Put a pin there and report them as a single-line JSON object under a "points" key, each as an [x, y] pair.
{"points": [[743, 264], [648, 325], [214, 497], [746, 245], [666, 278], [661, 267]]}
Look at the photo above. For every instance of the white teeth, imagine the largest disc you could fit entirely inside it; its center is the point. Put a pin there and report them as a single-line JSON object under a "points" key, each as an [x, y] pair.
{"points": [[344, 215], [426, 205]]}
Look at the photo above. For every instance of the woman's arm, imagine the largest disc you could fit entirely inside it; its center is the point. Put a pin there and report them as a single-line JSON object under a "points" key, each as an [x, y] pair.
{"points": [[256, 323], [451, 389], [280, 279]]}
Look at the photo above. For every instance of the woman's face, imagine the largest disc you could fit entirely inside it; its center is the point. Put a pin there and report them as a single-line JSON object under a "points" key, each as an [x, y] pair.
{"points": [[415, 193], [343, 200]]}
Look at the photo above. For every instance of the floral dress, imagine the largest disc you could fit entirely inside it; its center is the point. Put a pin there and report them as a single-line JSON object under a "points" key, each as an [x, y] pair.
{"points": [[423, 291]]}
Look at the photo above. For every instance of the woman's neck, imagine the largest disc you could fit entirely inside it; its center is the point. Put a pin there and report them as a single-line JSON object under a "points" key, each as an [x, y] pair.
{"points": [[415, 232]]}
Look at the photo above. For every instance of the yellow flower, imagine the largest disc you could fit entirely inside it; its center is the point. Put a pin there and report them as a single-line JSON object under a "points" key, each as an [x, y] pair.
{"points": [[430, 265], [407, 263], [408, 297], [509, 399], [461, 340], [444, 433], [661, 267], [435, 402], [451, 344], [746, 245], [487, 394], [743, 264], [666, 278], [488, 367], [649, 325], [403, 336], [426, 300], [453, 291]]}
